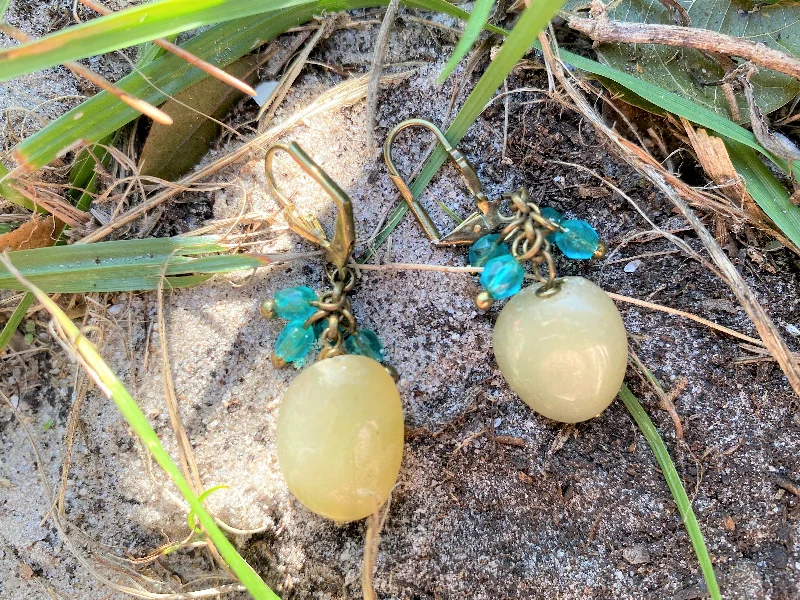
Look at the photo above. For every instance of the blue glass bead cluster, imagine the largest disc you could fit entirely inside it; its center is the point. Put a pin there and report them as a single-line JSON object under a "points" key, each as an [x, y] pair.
{"points": [[503, 275], [296, 340]]}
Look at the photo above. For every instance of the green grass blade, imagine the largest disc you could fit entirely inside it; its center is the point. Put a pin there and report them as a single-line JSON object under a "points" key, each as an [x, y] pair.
{"points": [[675, 486], [134, 25], [14, 320], [110, 384], [125, 265], [8, 192], [675, 104], [765, 189], [3, 8], [477, 19], [522, 36], [104, 114]]}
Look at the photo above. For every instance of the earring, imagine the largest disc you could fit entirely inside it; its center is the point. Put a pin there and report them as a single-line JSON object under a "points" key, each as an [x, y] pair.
{"points": [[560, 343], [340, 425]]}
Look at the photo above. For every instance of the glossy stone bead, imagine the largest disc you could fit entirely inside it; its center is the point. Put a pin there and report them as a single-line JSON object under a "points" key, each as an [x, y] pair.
{"points": [[485, 249], [365, 342], [293, 303], [294, 341], [502, 277], [579, 240], [340, 437], [564, 355]]}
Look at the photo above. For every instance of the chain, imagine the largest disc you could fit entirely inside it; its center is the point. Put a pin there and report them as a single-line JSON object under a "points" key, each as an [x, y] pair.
{"points": [[334, 305], [527, 232]]}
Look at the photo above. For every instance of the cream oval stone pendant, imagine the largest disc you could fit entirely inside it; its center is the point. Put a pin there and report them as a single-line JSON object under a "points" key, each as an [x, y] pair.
{"points": [[564, 354], [340, 437]]}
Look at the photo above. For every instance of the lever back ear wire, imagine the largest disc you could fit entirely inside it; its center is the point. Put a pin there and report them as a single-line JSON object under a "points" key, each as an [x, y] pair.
{"points": [[340, 426], [339, 250], [529, 230], [473, 226], [560, 343]]}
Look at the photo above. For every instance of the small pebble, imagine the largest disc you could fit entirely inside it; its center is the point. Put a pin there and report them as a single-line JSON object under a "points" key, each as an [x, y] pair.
{"points": [[636, 555], [632, 266]]}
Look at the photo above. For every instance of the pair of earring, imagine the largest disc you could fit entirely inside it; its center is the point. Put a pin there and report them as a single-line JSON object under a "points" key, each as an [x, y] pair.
{"points": [[560, 343]]}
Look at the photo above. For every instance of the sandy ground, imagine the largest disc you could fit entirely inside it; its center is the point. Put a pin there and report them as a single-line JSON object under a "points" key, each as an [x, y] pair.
{"points": [[564, 512]]}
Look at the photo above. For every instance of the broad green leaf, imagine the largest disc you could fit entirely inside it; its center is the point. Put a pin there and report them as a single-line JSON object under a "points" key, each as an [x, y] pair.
{"points": [[125, 265], [172, 150], [685, 71], [477, 19]]}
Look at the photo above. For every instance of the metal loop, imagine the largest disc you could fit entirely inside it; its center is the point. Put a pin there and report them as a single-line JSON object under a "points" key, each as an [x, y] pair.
{"points": [[477, 224], [338, 250]]}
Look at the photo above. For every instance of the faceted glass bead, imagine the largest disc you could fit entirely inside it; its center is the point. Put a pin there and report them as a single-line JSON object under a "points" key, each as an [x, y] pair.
{"points": [[552, 215], [293, 303], [295, 341], [485, 249], [579, 240], [339, 437], [320, 327], [502, 277], [365, 343]]}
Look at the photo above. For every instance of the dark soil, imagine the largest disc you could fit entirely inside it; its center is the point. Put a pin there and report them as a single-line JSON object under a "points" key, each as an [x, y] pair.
{"points": [[495, 502]]}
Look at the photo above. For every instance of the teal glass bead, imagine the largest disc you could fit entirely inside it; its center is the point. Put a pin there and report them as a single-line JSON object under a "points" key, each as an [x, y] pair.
{"points": [[485, 249], [365, 343], [292, 303], [320, 327], [295, 341], [502, 277], [579, 240], [551, 214]]}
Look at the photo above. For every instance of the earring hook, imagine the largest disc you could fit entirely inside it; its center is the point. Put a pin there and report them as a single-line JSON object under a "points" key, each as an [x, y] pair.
{"points": [[478, 224], [338, 250]]}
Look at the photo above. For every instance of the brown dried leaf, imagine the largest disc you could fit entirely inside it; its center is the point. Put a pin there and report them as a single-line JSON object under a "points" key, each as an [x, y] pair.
{"points": [[171, 151], [39, 232]]}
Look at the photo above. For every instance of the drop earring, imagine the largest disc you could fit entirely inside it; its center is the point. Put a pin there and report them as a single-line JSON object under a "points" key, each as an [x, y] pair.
{"points": [[560, 343], [340, 426]]}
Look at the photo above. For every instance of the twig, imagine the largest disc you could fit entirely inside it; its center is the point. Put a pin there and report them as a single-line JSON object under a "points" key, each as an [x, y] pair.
{"points": [[676, 190], [666, 399], [378, 56], [606, 31], [78, 69], [687, 315], [343, 94], [267, 111], [370, 555], [192, 59], [787, 484]]}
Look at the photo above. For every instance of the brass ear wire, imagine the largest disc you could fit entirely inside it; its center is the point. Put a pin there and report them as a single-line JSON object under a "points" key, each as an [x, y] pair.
{"points": [[475, 226], [338, 250]]}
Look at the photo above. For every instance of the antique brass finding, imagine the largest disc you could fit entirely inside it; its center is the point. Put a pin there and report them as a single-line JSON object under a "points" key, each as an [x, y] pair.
{"points": [[334, 304], [338, 250], [475, 226], [526, 229]]}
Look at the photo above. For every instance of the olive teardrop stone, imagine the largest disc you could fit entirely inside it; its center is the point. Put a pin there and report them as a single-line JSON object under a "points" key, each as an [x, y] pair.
{"points": [[564, 355], [340, 437]]}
